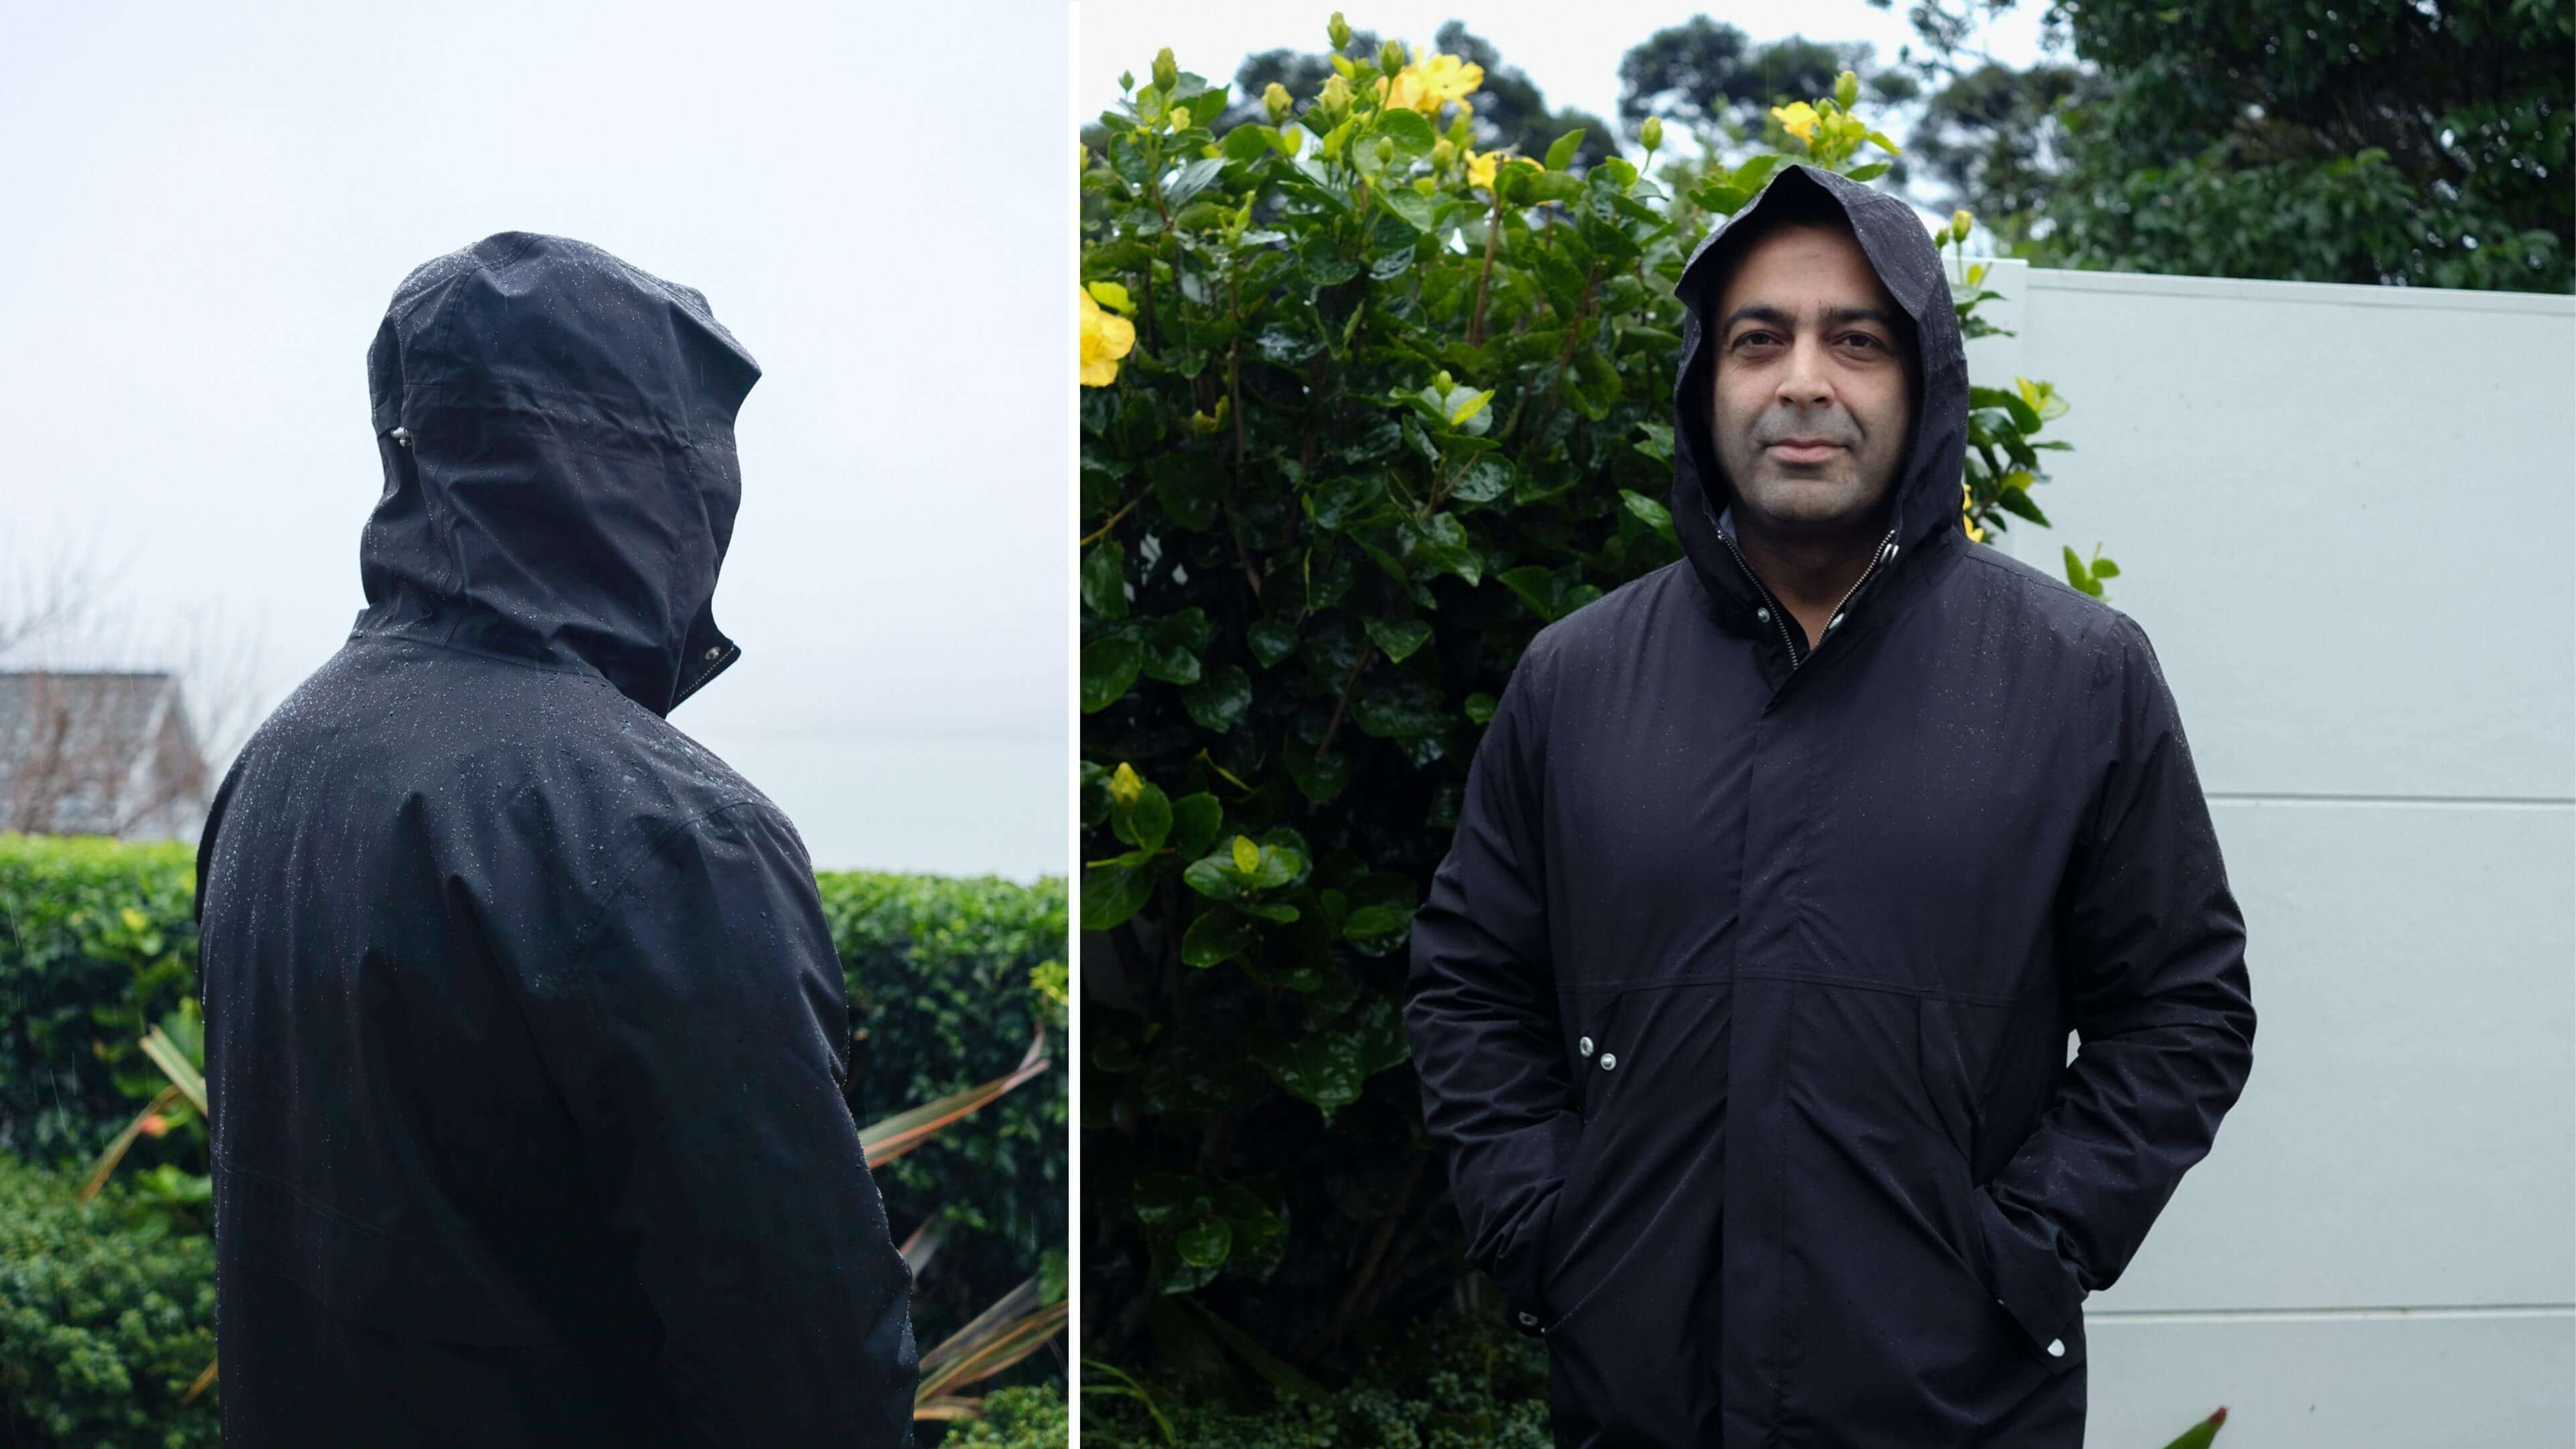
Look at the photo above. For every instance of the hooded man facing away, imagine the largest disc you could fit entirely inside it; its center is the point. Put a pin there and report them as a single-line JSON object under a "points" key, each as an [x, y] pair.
{"points": [[526, 1037], [1741, 1000]]}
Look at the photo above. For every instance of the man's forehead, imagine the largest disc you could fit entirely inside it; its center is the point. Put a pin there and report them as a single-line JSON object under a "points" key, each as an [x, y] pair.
{"points": [[1806, 270]]}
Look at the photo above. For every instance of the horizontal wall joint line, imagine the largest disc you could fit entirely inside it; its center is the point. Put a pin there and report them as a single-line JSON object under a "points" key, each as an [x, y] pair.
{"points": [[2305, 1315], [2323, 797]]}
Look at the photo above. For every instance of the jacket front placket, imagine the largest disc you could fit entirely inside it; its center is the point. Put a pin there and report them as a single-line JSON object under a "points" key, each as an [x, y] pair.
{"points": [[1759, 1333]]}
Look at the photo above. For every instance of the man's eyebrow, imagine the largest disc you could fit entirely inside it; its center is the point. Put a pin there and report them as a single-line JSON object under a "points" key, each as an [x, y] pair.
{"points": [[1765, 312]]}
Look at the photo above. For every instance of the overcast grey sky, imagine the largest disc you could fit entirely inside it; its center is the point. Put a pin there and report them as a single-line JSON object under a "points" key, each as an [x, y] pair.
{"points": [[209, 207]]}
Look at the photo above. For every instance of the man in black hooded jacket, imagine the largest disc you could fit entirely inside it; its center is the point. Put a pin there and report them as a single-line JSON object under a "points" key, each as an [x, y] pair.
{"points": [[526, 1038], [1741, 1002]]}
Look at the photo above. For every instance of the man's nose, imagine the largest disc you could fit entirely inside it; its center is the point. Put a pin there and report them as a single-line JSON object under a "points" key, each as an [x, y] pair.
{"points": [[1805, 379]]}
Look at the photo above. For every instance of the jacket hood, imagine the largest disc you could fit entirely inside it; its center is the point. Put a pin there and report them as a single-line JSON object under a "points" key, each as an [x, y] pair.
{"points": [[1925, 496], [556, 427]]}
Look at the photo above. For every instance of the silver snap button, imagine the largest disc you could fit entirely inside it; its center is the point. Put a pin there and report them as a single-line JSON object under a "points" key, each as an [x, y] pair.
{"points": [[1762, 614], [1584, 1046], [1529, 1319], [402, 437], [716, 653], [1609, 1062], [2057, 1348]]}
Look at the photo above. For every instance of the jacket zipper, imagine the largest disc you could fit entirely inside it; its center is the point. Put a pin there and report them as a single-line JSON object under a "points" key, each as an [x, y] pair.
{"points": [[1779, 615], [1875, 559]]}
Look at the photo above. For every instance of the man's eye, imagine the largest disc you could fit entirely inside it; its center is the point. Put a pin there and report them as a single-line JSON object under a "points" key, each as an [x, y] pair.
{"points": [[1748, 338]]}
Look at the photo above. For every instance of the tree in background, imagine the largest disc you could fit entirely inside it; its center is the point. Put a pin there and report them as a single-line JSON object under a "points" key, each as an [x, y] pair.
{"points": [[1711, 79], [2362, 141], [1993, 133], [2378, 142]]}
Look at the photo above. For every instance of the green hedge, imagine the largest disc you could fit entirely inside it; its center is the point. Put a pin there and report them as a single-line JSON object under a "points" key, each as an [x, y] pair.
{"points": [[1454, 1380], [106, 1317], [950, 980], [1028, 1417], [97, 942]]}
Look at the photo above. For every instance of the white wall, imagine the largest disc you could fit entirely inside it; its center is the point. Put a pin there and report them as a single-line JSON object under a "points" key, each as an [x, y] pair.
{"points": [[2346, 516]]}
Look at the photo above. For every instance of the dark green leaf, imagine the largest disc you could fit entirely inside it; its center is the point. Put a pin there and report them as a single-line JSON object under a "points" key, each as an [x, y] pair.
{"points": [[1192, 180], [1482, 481], [1114, 889], [1397, 638], [1271, 640], [1104, 579], [1218, 701], [1285, 345], [1250, 142], [1412, 206], [1204, 1245], [1196, 818], [1109, 664], [1318, 779], [1440, 546], [1395, 705], [1410, 131], [1145, 821], [1651, 513], [1219, 934], [2016, 501]]}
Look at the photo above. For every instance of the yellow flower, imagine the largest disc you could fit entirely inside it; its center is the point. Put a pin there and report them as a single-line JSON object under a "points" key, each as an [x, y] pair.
{"points": [[1481, 166], [1106, 338], [1446, 78], [1798, 119], [1966, 520], [1276, 102], [1427, 85]]}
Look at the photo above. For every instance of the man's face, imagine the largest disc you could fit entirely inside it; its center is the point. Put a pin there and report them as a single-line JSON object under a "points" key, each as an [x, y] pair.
{"points": [[1808, 348]]}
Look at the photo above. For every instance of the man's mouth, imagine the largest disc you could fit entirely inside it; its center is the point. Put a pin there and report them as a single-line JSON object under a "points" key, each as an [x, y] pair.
{"points": [[1794, 452]]}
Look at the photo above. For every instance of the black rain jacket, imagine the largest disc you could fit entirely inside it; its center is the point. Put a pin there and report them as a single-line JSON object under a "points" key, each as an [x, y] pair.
{"points": [[526, 1037], [1741, 1000]]}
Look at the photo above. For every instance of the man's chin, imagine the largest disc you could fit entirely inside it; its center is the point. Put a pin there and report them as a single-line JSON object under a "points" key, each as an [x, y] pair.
{"points": [[1810, 503]]}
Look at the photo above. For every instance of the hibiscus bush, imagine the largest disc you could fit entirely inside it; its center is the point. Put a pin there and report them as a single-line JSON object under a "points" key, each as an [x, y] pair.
{"points": [[1364, 405]]}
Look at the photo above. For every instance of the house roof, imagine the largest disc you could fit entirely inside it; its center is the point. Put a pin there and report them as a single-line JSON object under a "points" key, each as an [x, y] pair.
{"points": [[80, 751]]}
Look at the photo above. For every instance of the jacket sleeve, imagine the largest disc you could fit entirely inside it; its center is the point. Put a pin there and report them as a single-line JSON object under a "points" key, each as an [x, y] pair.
{"points": [[2154, 948], [704, 1058], [1482, 1015]]}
